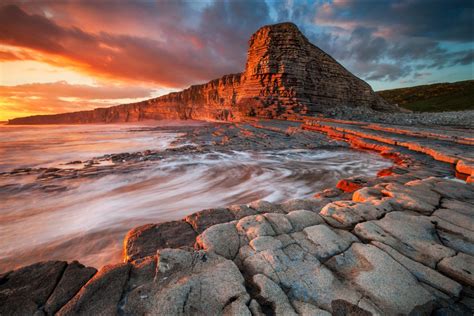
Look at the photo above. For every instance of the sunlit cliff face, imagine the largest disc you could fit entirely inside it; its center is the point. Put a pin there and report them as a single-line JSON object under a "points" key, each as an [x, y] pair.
{"points": [[147, 48]]}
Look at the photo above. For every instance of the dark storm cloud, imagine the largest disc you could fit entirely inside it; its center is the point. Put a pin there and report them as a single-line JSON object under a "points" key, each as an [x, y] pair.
{"points": [[177, 43], [437, 19], [388, 40], [177, 54]]}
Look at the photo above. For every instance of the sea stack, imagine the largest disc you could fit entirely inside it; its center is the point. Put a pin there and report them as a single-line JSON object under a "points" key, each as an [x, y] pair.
{"points": [[285, 76]]}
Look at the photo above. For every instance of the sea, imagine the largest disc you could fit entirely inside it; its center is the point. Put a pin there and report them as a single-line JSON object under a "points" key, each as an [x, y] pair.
{"points": [[86, 218]]}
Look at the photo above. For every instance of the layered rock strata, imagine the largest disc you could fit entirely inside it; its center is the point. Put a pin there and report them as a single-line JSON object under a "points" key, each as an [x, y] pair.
{"points": [[401, 243], [285, 75], [455, 147]]}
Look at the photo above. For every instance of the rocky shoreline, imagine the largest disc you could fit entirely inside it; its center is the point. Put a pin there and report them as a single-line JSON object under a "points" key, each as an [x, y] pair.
{"points": [[400, 243]]}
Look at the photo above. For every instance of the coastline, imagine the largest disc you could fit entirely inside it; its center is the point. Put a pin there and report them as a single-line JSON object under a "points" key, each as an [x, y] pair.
{"points": [[391, 222]]}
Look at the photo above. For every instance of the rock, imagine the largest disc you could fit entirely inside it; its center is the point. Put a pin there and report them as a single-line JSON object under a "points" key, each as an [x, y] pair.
{"points": [[412, 235], [302, 276], [206, 218], [261, 206], [342, 307], [466, 167], [417, 196], [284, 75], [279, 223], [387, 283], [24, 290], [222, 239], [238, 307], [459, 267], [367, 194], [301, 219], [189, 282], [457, 206], [453, 236], [101, 295], [255, 226], [351, 185], [328, 242], [423, 273], [142, 271], [241, 211], [255, 308], [147, 239], [306, 309], [460, 219], [73, 278], [346, 214], [313, 205], [273, 294], [455, 190], [262, 243]]}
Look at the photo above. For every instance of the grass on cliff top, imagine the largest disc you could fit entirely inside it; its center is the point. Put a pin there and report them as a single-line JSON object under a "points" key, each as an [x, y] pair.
{"points": [[456, 96]]}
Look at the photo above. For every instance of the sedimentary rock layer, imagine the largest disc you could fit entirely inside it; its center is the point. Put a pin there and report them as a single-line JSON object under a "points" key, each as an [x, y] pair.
{"points": [[401, 243], [285, 75]]}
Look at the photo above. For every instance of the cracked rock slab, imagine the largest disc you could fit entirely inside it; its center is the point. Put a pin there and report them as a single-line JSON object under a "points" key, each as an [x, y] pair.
{"points": [[24, 290], [74, 277], [459, 267], [145, 240], [386, 282], [413, 235], [423, 273], [190, 282], [101, 295]]}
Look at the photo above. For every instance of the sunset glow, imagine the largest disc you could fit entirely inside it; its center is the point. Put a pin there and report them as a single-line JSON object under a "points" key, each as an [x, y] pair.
{"points": [[51, 51]]}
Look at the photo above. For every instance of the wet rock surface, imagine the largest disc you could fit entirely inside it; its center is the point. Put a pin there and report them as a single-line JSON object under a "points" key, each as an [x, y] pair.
{"points": [[401, 243]]}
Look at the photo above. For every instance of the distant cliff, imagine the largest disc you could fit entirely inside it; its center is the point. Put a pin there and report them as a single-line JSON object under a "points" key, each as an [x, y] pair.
{"points": [[284, 75]]}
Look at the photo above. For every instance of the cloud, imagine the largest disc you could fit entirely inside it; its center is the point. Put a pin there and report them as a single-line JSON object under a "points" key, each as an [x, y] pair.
{"points": [[388, 40], [177, 43], [63, 89], [47, 98], [435, 19], [177, 59]]}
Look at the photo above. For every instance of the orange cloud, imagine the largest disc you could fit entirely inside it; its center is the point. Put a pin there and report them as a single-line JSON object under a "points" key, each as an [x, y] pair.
{"points": [[175, 62], [49, 98]]}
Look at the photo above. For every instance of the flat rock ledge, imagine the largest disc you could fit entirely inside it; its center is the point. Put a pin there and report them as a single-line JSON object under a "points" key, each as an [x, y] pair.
{"points": [[401, 243]]}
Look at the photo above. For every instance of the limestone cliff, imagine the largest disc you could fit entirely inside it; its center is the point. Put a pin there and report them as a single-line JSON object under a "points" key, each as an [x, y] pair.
{"points": [[284, 75]]}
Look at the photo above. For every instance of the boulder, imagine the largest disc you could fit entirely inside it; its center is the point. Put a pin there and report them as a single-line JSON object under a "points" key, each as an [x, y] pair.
{"points": [[145, 240], [24, 290], [74, 277], [101, 295], [190, 282], [222, 239], [200, 221], [273, 295]]}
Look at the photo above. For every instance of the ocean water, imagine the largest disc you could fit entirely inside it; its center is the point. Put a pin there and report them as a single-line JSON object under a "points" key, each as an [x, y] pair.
{"points": [[86, 218]]}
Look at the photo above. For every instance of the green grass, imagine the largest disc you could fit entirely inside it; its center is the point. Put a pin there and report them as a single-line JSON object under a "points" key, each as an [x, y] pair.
{"points": [[457, 96]]}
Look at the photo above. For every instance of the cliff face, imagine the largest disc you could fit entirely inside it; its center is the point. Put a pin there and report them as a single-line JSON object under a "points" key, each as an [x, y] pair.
{"points": [[284, 75]]}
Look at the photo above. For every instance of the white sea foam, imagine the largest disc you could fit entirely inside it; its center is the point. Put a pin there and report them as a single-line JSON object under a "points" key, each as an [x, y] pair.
{"points": [[88, 220]]}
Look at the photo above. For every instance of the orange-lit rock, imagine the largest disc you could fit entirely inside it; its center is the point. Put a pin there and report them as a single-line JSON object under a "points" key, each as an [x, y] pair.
{"points": [[285, 75], [351, 185], [385, 172]]}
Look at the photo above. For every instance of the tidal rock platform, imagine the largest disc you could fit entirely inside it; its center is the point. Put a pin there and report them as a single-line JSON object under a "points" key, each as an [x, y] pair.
{"points": [[398, 243]]}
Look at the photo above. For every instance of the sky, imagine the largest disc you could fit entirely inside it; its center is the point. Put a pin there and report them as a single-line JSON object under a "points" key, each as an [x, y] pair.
{"points": [[62, 56]]}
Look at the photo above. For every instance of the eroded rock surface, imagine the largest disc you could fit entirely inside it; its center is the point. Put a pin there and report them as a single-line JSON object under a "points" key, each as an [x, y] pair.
{"points": [[401, 243]]}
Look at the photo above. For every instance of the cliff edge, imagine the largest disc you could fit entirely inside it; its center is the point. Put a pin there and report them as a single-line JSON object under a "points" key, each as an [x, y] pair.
{"points": [[285, 75]]}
